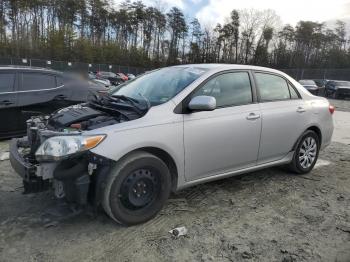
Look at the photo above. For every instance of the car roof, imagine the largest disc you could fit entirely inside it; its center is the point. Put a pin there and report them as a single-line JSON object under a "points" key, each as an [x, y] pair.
{"points": [[212, 66], [230, 66]]}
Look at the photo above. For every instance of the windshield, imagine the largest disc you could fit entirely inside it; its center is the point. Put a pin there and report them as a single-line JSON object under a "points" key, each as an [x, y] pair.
{"points": [[159, 86]]}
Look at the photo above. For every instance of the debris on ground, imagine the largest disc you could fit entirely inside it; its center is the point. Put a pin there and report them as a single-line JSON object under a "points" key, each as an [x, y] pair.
{"points": [[344, 228], [179, 231], [51, 224], [4, 156]]}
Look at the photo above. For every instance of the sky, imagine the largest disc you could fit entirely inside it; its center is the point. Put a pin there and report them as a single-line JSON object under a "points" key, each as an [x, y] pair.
{"points": [[210, 12]]}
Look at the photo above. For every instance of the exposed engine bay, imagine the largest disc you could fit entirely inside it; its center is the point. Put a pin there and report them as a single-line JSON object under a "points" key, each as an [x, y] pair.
{"points": [[75, 176], [102, 111]]}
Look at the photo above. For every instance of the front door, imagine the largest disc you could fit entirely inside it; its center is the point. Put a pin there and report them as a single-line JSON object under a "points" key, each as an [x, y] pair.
{"points": [[226, 138]]}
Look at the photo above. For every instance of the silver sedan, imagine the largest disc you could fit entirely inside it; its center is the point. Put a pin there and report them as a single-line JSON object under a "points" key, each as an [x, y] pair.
{"points": [[189, 124]]}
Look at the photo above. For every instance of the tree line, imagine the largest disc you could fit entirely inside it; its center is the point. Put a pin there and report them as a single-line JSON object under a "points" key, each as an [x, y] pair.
{"points": [[138, 35]]}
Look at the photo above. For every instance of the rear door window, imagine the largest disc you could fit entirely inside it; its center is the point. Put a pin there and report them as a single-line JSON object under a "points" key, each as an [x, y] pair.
{"points": [[37, 81], [7, 82], [272, 87]]}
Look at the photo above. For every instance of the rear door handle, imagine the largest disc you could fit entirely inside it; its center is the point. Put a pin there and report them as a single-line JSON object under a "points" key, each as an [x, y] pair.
{"points": [[252, 116], [301, 109], [6, 103]]}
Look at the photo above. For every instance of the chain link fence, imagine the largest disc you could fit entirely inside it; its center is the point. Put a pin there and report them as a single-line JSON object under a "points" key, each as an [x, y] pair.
{"points": [[72, 66], [331, 74], [334, 74]]}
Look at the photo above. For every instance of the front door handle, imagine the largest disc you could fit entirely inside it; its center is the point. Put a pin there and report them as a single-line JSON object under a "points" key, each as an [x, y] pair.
{"points": [[252, 116], [6, 103], [301, 109]]}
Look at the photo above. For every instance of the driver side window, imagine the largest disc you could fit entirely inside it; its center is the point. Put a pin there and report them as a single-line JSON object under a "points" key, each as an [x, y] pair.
{"points": [[229, 89]]}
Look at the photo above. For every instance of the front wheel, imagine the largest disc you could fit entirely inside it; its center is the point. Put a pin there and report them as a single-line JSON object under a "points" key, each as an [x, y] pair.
{"points": [[137, 188], [306, 153]]}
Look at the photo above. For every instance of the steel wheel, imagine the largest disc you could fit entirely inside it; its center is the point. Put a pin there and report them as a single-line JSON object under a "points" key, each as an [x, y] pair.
{"points": [[136, 188], [139, 189], [307, 152]]}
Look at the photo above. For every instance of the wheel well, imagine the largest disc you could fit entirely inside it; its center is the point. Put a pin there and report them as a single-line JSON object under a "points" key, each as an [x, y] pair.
{"points": [[167, 159], [317, 131], [312, 128]]}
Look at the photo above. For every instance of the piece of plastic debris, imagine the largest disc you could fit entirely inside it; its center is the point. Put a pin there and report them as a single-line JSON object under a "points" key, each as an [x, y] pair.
{"points": [[51, 224], [4, 156], [179, 231]]}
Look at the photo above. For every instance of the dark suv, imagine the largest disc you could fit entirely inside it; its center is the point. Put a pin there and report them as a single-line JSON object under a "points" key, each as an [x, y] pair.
{"points": [[26, 91], [337, 89]]}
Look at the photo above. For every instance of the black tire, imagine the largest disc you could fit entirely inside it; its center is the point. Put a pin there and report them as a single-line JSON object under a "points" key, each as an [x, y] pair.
{"points": [[127, 181], [296, 165]]}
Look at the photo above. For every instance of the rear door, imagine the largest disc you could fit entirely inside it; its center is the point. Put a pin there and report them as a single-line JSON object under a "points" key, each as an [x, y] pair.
{"points": [[8, 103], [39, 93], [284, 116]]}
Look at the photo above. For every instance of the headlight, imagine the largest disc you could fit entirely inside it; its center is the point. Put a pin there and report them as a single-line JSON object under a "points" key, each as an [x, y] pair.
{"points": [[60, 147]]}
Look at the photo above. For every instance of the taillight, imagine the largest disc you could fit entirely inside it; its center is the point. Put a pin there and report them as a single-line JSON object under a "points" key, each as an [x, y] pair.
{"points": [[331, 109]]}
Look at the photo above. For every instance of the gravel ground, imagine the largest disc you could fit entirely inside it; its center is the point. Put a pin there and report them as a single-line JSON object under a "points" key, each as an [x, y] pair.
{"points": [[341, 105], [270, 215]]}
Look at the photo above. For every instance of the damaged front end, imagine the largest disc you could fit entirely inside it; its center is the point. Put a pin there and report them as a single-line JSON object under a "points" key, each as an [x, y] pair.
{"points": [[56, 151]]}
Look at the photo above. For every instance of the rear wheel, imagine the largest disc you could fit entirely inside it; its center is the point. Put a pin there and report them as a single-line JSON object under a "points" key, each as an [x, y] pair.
{"points": [[137, 188], [306, 153]]}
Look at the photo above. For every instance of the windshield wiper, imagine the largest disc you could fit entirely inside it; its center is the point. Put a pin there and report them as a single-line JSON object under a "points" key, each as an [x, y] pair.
{"points": [[113, 102], [126, 98], [146, 99]]}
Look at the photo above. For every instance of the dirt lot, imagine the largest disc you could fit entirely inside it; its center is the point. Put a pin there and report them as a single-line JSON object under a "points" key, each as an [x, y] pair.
{"points": [[269, 215]]}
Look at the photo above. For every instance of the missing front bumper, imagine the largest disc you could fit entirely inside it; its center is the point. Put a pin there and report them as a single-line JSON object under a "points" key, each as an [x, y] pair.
{"points": [[31, 182], [77, 183]]}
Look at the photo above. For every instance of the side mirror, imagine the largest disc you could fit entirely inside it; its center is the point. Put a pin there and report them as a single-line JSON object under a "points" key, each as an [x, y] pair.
{"points": [[202, 103]]}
